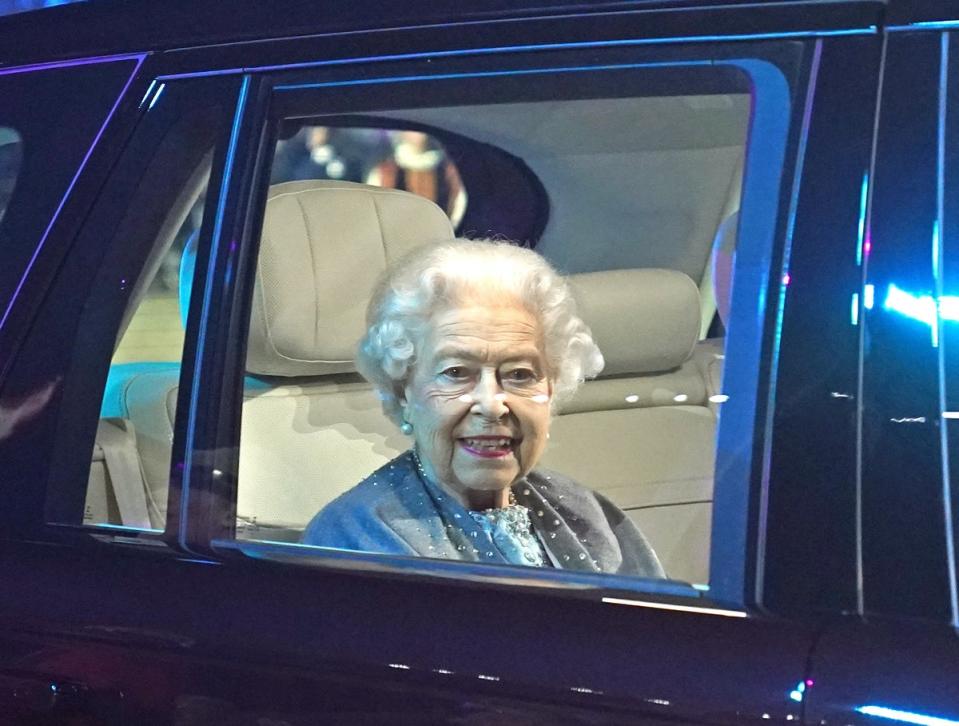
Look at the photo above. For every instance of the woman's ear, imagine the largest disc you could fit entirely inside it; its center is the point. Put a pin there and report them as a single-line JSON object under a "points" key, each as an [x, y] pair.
{"points": [[403, 396]]}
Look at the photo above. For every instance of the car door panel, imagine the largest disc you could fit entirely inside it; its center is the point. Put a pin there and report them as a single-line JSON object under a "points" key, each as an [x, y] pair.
{"points": [[891, 658], [176, 630]]}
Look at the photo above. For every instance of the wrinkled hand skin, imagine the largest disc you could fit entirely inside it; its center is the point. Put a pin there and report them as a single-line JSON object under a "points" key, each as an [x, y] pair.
{"points": [[15, 413]]}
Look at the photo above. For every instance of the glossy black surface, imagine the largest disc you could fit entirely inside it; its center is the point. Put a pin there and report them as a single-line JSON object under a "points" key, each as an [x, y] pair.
{"points": [[948, 286], [904, 556], [922, 12], [812, 467], [883, 671], [266, 631], [186, 23], [47, 171], [132, 628]]}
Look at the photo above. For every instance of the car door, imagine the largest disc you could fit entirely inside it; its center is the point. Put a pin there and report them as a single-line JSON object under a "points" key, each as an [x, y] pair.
{"points": [[179, 620], [892, 658]]}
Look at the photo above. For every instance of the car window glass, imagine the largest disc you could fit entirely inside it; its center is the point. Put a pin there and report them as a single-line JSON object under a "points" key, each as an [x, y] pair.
{"points": [[144, 241], [638, 210], [11, 151], [39, 162], [629, 191], [131, 457]]}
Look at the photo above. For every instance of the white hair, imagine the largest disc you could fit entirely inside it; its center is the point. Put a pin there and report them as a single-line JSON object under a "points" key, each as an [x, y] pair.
{"points": [[441, 275]]}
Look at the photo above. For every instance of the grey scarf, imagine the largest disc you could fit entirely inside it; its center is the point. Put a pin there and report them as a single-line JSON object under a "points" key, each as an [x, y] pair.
{"points": [[397, 510]]}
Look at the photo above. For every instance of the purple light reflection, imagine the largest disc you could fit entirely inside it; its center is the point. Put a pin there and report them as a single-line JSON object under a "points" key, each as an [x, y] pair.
{"points": [[70, 63], [66, 195]]}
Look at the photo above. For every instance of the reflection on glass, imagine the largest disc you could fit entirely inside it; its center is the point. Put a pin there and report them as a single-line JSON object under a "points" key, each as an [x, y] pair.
{"points": [[924, 308], [863, 201], [799, 692], [894, 714], [156, 97]]}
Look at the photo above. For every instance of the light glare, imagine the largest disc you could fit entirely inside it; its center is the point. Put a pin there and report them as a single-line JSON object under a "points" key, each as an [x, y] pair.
{"points": [[894, 714]]}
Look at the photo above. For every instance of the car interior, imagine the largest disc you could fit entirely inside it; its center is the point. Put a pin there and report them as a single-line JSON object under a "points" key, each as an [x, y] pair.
{"points": [[635, 199]]}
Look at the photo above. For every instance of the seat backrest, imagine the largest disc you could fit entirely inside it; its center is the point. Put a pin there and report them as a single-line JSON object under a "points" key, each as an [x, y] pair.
{"points": [[311, 427], [643, 433]]}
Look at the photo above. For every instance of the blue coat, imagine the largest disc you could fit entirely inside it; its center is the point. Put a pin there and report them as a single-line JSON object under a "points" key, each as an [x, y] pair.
{"points": [[396, 511]]}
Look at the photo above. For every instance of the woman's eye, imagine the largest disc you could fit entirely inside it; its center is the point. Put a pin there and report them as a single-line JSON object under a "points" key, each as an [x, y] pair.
{"points": [[521, 375], [456, 373]]}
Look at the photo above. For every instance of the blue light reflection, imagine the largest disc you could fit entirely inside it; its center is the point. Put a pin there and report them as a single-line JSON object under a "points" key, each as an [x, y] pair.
{"points": [[863, 203], [894, 714], [923, 308], [157, 96]]}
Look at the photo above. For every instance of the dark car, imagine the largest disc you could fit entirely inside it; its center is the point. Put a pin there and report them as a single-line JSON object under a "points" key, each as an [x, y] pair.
{"points": [[756, 205]]}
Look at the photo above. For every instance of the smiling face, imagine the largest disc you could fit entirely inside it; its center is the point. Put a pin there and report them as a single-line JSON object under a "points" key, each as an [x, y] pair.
{"points": [[478, 399]]}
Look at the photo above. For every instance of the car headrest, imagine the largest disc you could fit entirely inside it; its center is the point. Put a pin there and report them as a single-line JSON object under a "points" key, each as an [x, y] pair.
{"points": [[323, 247], [644, 321]]}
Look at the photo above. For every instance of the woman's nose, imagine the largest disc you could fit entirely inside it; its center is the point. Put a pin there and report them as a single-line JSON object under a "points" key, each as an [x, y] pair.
{"points": [[489, 398]]}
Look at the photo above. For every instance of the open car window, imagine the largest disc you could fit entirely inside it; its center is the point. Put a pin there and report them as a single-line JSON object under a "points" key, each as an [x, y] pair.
{"points": [[637, 196], [629, 186]]}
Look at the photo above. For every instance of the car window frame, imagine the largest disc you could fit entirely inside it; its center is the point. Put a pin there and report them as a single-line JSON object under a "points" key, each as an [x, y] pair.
{"points": [[209, 499]]}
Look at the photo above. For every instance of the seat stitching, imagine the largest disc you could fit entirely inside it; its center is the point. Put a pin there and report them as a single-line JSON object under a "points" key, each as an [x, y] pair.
{"points": [[262, 299], [379, 224], [316, 291]]}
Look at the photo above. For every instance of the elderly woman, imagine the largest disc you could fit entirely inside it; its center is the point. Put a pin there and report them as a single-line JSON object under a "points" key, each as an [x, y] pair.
{"points": [[472, 346]]}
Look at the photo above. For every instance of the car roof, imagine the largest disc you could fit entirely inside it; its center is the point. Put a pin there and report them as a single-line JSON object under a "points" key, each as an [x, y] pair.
{"points": [[104, 27]]}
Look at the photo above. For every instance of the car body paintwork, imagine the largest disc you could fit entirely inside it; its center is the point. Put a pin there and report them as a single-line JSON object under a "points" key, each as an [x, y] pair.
{"points": [[820, 623]]}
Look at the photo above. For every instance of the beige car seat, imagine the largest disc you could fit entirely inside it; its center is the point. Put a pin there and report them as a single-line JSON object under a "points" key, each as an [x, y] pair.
{"points": [[311, 427], [643, 433]]}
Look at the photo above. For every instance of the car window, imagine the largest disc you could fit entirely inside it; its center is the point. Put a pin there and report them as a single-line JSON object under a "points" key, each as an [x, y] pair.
{"points": [[39, 163], [641, 206], [131, 456], [132, 307], [623, 191]]}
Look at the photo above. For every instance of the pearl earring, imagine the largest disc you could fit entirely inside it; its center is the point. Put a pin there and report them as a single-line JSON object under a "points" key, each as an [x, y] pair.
{"points": [[406, 427]]}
